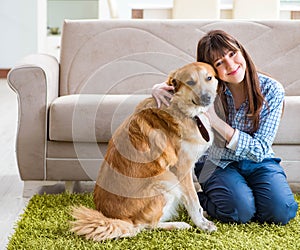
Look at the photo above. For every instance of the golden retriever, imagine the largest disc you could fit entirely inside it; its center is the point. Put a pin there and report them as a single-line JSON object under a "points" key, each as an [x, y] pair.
{"points": [[148, 167]]}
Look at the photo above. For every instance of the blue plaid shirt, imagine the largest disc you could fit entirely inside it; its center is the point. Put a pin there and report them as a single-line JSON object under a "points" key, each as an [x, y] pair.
{"points": [[257, 146]]}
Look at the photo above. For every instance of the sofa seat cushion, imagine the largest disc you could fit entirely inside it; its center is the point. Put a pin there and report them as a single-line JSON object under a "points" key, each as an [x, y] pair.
{"points": [[93, 118], [88, 117], [289, 132]]}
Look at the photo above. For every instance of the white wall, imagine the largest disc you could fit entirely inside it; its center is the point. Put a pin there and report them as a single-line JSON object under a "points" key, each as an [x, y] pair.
{"points": [[18, 27], [124, 7], [58, 10]]}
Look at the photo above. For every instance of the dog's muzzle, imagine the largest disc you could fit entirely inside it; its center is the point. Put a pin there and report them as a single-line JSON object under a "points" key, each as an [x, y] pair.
{"points": [[205, 99]]}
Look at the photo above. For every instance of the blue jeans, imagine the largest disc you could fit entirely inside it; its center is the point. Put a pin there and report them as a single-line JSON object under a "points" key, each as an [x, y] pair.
{"points": [[247, 190]]}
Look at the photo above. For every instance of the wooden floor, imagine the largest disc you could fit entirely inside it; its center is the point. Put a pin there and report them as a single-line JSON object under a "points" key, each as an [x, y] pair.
{"points": [[12, 203]]}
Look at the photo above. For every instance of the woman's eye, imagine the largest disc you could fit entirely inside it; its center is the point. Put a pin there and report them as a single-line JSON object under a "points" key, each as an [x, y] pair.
{"points": [[232, 53], [217, 64]]}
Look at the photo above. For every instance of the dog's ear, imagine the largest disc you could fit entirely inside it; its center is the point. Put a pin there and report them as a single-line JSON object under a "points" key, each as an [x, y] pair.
{"points": [[172, 81], [170, 78]]}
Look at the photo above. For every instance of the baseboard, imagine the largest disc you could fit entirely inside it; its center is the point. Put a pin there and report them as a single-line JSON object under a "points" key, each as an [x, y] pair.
{"points": [[3, 73]]}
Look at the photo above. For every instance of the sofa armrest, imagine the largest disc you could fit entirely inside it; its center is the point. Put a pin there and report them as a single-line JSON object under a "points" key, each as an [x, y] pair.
{"points": [[35, 79]]}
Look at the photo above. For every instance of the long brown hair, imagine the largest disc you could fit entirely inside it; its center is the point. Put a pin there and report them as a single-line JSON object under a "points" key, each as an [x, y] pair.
{"points": [[214, 45]]}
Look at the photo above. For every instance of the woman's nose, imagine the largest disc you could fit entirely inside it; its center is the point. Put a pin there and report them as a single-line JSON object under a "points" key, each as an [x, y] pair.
{"points": [[229, 63]]}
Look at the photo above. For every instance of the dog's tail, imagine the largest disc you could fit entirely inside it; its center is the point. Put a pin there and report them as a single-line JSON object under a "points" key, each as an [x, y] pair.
{"points": [[93, 225]]}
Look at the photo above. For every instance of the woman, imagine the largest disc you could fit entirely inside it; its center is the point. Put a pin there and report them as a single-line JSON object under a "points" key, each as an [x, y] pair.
{"points": [[241, 178]]}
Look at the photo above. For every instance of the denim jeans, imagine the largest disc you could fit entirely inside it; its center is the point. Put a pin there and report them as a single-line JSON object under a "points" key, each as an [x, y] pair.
{"points": [[247, 190]]}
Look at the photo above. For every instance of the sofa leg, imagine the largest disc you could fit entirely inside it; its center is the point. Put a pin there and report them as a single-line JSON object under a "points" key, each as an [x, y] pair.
{"points": [[69, 186], [32, 187]]}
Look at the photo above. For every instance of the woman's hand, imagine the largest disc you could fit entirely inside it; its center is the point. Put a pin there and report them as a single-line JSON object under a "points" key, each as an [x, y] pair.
{"points": [[161, 94], [223, 129], [212, 115]]}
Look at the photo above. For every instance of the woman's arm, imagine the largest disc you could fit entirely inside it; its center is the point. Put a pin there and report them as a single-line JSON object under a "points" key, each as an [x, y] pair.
{"points": [[256, 146], [240, 144]]}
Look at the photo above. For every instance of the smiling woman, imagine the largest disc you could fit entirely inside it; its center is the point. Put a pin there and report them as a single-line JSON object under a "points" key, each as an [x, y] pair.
{"points": [[246, 165], [234, 175]]}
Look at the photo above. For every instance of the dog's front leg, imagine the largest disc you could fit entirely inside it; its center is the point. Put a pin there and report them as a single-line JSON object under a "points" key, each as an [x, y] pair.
{"points": [[192, 204]]}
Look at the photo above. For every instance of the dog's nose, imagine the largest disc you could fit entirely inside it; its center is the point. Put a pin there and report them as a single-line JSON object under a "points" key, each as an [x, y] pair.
{"points": [[205, 99]]}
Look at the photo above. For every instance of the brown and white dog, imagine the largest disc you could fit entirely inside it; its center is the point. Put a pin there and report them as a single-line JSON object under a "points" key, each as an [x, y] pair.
{"points": [[148, 167]]}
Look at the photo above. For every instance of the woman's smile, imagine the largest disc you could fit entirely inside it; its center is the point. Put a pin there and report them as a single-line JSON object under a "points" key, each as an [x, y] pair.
{"points": [[234, 71]]}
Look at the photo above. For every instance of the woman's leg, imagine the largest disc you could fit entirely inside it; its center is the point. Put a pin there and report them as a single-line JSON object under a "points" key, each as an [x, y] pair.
{"points": [[226, 195], [274, 199]]}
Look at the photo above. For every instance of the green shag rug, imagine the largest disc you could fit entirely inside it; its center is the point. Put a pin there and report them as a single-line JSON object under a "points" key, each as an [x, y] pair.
{"points": [[45, 225]]}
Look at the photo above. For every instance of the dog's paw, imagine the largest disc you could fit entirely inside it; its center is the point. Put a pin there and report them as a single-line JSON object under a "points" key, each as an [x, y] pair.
{"points": [[174, 225], [210, 226], [207, 225], [183, 225]]}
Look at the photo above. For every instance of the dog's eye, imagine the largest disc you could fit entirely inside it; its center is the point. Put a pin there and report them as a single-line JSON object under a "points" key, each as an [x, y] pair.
{"points": [[191, 82], [209, 78]]}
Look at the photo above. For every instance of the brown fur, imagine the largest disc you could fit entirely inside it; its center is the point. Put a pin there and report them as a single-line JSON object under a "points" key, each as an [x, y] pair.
{"points": [[149, 163]]}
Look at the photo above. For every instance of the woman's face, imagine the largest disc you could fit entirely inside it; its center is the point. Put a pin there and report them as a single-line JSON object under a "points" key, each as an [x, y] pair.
{"points": [[231, 67]]}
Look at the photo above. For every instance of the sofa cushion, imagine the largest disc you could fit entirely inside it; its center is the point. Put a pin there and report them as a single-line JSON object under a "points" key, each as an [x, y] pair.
{"points": [[289, 132], [89, 118], [93, 118]]}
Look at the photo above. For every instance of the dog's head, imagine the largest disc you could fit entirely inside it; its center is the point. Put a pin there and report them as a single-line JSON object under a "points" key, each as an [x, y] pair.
{"points": [[195, 87]]}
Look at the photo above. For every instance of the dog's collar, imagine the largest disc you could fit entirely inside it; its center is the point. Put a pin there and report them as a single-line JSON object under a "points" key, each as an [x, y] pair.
{"points": [[202, 129]]}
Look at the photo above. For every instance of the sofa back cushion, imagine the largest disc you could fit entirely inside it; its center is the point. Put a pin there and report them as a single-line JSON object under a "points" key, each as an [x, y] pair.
{"points": [[130, 56]]}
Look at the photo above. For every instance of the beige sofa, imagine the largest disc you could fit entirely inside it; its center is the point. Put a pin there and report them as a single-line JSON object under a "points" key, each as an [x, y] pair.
{"points": [[68, 110]]}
